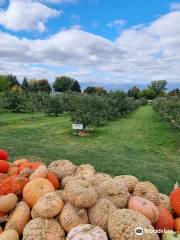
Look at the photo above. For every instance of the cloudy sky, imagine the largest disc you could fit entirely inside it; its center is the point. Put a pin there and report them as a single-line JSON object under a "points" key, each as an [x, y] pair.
{"points": [[99, 42]]}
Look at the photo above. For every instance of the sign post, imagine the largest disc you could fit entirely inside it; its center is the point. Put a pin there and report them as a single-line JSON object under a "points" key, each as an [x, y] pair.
{"points": [[77, 127]]}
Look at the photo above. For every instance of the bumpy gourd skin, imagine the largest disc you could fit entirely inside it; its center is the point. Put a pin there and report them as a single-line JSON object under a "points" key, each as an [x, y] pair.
{"points": [[49, 205], [148, 191], [98, 178], [114, 191], [123, 222], [99, 213], [80, 194], [68, 179], [72, 216], [85, 171], [164, 201], [129, 180], [87, 232], [62, 168], [43, 229]]}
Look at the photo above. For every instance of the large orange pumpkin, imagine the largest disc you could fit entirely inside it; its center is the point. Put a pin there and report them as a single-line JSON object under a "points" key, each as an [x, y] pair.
{"points": [[177, 224], [175, 200], [145, 207], [165, 220], [35, 189], [53, 179], [13, 184], [4, 166]]}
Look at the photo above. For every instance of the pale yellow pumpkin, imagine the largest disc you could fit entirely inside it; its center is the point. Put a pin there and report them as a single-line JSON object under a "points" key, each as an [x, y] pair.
{"points": [[8, 202], [9, 234]]}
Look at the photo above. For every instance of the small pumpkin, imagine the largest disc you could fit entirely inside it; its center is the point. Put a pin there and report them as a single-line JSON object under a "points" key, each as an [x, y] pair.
{"points": [[8, 202], [87, 231], [175, 200], [18, 162], [177, 224], [13, 171], [145, 207], [24, 165], [35, 189], [4, 155], [10, 234], [20, 217], [53, 179], [4, 166], [165, 220], [40, 172], [13, 184]]}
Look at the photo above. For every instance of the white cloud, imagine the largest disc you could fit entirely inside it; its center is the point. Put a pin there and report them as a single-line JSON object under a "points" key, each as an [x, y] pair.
{"points": [[26, 15], [140, 54], [117, 23]]}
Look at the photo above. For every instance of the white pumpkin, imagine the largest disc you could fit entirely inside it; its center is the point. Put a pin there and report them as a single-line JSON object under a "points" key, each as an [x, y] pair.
{"points": [[87, 232]]}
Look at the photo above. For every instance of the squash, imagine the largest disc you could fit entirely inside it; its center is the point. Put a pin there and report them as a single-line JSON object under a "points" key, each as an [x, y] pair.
{"points": [[165, 220], [4, 155], [53, 179], [171, 236], [49, 205], [13, 171], [40, 172], [35, 189], [4, 166], [8, 202], [87, 232], [9, 234], [3, 176], [24, 165], [145, 207], [175, 200], [20, 217], [18, 162], [177, 224], [13, 184], [43, 229]]}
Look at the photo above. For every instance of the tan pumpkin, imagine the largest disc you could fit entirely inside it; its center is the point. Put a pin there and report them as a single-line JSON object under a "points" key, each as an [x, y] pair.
{"points": [[18, 162], [49, 205], [35, 189], [40, 172], [10, 234], [43, 229], [72, 216], [85, 171], [19, 218], [145, 207], [8, 202]]}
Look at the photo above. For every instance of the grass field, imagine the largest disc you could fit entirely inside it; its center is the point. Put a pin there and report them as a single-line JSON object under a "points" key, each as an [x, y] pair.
{"points": [[140, 144]]}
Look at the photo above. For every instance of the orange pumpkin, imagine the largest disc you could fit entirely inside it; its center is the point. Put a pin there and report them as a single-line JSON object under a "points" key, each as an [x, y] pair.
{"points": [[3, 176], [18, 162], [13, 184], [177, 224], [35, 189], [35, 165], [40, 172], [13, 171], [53, 179], [4, 166], [165, 220], [24, 165], [145, 207], [175, 200], [4, 155]]}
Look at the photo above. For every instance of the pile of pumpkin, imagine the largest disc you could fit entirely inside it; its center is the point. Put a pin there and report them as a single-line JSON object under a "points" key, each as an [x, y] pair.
{"points": [[63, 201]]}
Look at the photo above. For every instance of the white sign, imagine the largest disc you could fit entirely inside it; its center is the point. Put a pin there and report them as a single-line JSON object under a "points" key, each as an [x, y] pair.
{"points": [[77, 126]]}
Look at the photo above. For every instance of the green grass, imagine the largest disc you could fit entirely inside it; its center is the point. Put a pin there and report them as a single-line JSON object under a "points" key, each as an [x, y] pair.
{"points": [[140, 144]]}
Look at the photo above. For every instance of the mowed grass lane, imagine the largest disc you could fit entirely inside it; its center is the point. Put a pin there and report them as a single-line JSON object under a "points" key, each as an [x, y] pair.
{"points": [[140, 144]]}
